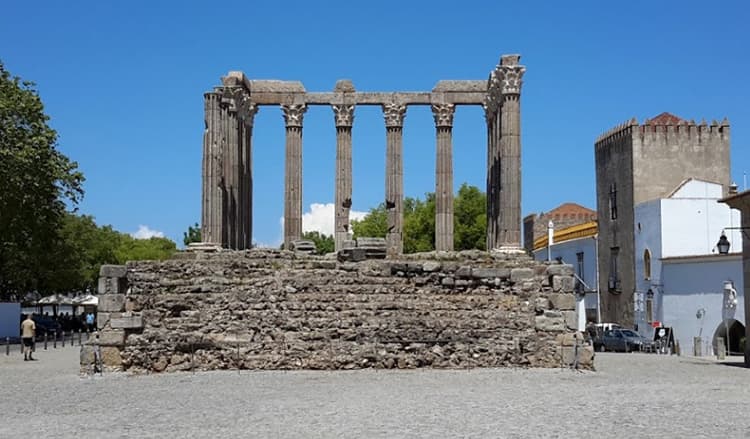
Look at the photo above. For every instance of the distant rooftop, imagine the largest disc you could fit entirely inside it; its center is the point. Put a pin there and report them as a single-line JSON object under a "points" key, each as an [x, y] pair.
{"points": [[665, 119]]}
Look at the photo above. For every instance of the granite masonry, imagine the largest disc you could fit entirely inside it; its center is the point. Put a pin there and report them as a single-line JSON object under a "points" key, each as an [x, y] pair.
{"points": [[272, 309]]}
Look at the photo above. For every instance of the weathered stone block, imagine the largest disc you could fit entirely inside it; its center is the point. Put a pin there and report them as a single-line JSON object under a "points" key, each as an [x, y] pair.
{"points": [[351, 254], [490, 272], [448, 282], [551, 324], [541, 304], [126, 322], [463, 272], [569, 339], [113, 271], [112, 338], [102, 319], [521, 274], [431, 266], [111, 356], [563, 301], [564, 284], [585, 356], [560, 270], [111, 303], [571, 319]]}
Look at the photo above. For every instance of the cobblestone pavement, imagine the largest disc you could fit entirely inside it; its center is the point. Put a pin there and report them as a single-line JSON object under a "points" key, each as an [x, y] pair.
{"points": [[631, 395]]}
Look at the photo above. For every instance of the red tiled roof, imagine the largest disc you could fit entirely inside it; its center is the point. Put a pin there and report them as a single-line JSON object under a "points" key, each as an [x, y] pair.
{"points": [[665, 119], [572, 210]]}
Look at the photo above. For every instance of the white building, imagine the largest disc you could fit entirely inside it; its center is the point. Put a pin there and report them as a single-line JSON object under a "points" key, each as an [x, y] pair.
{"points": [[680, 275], [682, 282]]}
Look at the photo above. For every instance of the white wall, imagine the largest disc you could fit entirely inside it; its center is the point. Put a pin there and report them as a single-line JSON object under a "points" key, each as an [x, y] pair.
{"points": [[692, 226], [691, 285], [10, 320]]}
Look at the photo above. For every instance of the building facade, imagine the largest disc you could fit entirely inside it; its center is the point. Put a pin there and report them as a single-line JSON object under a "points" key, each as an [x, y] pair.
{"points": [[681, 279], [636, 163]]}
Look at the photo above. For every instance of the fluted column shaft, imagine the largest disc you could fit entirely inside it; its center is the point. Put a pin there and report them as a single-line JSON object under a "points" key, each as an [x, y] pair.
{"points": [[394, 178], [444, 177], [293, 115], [232, 177], [212, 172], [510, 174], [344, 116], [492, 117], [510, 74], [246, 186]]}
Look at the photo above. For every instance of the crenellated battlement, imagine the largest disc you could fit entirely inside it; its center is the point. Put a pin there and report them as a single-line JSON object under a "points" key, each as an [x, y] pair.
{"points": [[666, 126]]}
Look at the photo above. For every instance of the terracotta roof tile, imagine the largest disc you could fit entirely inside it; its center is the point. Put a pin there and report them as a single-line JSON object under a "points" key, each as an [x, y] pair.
{"points": [[665, 119]]}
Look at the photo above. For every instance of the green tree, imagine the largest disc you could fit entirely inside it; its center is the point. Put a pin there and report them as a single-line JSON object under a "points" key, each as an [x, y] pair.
{"points": [[419, 224], [470, 219], [193, 234], [36, 181], [131, 249], [323, 243], [373, 225]]}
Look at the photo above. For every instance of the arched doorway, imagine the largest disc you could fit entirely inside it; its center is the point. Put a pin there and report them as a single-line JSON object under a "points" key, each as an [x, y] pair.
{"points": [[733, 332]]}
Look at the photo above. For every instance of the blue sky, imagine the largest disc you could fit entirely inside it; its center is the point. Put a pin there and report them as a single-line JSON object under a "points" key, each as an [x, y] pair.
{"points": [[123, 83]]}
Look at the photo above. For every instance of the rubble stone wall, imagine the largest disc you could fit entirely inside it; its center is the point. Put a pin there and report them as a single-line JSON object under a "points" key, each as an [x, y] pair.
{"points": [[263, 309]]}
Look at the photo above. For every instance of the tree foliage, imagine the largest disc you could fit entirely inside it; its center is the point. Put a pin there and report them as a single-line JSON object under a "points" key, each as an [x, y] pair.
{"points": [[193, 234], [469, 221], [373, 225], [36, 181], [323, 243]]}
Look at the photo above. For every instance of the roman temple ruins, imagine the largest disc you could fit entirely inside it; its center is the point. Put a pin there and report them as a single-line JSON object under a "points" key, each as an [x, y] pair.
{"points": [[227, 154]]}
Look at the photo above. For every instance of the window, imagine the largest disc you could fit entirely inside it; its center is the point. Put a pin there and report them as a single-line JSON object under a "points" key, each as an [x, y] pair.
{"points": [[649, 309], [614, 277], [613, 201], [579, 284], [646, 264]]}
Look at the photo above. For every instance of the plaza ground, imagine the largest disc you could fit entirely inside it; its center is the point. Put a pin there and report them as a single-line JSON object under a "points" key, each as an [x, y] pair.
{"points": [[630, 395]]}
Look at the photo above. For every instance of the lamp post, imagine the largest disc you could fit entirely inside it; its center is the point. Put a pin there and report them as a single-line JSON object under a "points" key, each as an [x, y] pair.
{"points": [[723, 244]]}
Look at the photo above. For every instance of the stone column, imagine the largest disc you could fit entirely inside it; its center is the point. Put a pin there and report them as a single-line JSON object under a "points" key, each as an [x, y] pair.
{"points": [[230, 103], [492, 117], [212, 176], [247, 116], [510, 75], [443, 114], [293, 115], [344, 116], [394, 177]]}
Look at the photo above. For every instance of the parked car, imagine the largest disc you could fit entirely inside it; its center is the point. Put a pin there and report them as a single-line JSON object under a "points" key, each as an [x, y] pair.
{"points": [[622, 340]]}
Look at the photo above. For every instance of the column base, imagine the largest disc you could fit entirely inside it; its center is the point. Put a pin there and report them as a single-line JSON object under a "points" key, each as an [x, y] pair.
{"points": [[203, 247], [509, 250]]}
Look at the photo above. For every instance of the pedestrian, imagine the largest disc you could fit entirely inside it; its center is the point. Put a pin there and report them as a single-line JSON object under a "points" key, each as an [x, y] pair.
{"points": [[28, 331], [90, 321]]}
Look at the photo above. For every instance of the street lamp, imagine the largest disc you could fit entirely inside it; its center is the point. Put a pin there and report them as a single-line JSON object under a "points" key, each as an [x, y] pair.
{"points": [[723, 244]]}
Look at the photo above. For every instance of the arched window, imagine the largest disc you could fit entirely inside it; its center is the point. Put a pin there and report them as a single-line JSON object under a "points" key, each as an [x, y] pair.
{"points": [[647, 264]]}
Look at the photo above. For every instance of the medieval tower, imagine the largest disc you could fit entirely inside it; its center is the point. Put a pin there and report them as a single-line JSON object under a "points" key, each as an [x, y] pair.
{"points": [[637, 163]]}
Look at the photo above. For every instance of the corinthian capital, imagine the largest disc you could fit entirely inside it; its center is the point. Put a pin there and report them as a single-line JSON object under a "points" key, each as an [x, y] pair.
{"points": [[232, 97], [344, 115], [246, 109], [443, 114], [510, 78], [394, 114], [293, 114]]}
